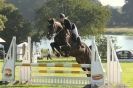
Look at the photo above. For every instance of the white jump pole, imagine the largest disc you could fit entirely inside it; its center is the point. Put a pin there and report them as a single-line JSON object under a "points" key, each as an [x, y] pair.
{"points": [[25, 71], [34, 54], [114, 71], [8, 71], [97, 70]]}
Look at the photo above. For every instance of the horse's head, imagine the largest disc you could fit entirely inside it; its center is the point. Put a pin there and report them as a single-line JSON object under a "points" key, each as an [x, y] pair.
{"points": [[50, 28], [53, 27]]}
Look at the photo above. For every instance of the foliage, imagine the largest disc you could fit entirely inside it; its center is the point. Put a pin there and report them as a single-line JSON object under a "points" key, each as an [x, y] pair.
{"points": [[90, 17], [2, 21], [27, 7], [102, 43], [2, 18], [128, 12], [117, 19], [122, 17], [15, 25]]}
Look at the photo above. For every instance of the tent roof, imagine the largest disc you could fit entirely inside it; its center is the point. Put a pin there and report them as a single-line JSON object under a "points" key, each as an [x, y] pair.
{"points": [[1, 40]]}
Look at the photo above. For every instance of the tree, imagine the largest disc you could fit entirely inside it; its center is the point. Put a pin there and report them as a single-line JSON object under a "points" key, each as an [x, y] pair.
{"points": [[128, 12], [2, 21], [117, 19], [102, 43], [2, 18], [90, 17], [27, 7], [15, 25]]}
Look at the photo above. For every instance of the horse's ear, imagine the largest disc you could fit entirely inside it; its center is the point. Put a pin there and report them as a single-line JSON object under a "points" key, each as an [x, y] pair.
{"points": [[49, 20], [53, 19]]}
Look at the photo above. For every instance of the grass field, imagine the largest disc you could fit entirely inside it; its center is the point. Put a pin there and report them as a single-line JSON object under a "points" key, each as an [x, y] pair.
{"points": [[127, 75], [119, 31]]}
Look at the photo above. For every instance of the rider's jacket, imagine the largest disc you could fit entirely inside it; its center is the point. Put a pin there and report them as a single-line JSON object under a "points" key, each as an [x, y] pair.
{"points": [[71, 27]]}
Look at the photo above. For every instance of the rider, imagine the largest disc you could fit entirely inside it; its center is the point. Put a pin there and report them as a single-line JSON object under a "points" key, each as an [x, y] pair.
{"points": [[72, 28]]}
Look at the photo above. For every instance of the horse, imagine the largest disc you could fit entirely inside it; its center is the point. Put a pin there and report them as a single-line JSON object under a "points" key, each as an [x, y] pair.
{"points": [[60, 34], [63, 42]]}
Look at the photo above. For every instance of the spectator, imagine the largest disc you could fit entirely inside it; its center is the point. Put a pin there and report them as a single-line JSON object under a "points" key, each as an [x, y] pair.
{"points": [[49, 55]]}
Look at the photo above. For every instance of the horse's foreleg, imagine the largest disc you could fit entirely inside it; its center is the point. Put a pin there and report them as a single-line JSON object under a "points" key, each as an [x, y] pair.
{"points": [[52, 46], [55, 48], [59, 50]]}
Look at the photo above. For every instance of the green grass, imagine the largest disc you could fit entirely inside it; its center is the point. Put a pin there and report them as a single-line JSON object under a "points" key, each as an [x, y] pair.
{"points": [[127, 74]]}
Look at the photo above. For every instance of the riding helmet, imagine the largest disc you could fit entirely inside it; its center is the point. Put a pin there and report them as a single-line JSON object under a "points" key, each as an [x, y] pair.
{"points": [[62, 15]]}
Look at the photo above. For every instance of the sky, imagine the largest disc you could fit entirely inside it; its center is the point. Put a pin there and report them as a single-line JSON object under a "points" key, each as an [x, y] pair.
{"points": [[113, 2]]}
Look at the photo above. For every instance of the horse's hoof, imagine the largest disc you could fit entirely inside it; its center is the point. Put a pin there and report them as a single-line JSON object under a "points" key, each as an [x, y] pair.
{"points": [[58, 55]]}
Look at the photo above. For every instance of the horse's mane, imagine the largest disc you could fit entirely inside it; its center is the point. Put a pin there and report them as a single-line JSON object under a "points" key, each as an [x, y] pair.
{"points": [[55, 23]]}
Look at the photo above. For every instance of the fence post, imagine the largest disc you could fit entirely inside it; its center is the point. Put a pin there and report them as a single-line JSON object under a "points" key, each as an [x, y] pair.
{"points": [[97, 70]]}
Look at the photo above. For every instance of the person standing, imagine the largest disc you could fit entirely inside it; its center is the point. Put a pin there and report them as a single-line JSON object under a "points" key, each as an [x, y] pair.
{"points": [[49, 55]]}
